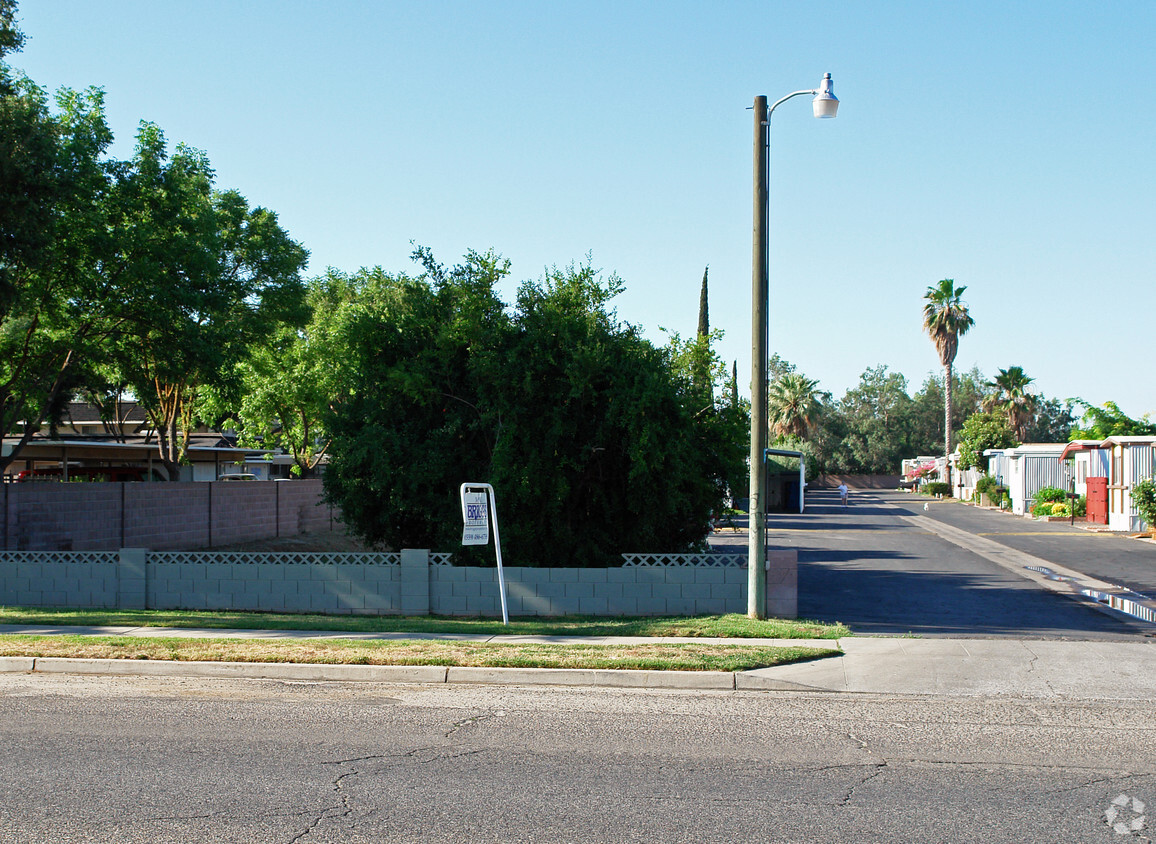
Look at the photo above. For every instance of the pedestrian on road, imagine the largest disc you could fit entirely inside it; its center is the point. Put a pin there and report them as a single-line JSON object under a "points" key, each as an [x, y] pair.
{"points": [[843, 493]]}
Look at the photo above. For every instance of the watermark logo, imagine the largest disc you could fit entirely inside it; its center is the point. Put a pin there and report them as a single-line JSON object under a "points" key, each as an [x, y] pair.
{"points": [[1126, 815]]}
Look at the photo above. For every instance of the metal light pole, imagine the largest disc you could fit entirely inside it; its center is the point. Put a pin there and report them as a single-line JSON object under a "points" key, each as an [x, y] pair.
{"points": [[825, 104]]}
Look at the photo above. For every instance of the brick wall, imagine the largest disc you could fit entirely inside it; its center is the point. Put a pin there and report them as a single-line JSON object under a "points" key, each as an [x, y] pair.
{"points": [[158, 516]]}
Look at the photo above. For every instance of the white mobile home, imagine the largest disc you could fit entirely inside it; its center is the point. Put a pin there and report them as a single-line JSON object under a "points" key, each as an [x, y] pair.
{"points": [[1088, 461], [1123, 462], [1130, 460], [1030, 468]]}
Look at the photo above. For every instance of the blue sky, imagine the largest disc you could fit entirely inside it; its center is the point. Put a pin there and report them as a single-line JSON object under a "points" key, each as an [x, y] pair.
{"points": [[1007, 146]]}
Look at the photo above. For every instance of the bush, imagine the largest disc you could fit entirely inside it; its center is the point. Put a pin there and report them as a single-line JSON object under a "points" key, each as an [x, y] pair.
{"points": [[1144, 497], [1050, 493], [936, 488], [987, 484], [1053, 501]]}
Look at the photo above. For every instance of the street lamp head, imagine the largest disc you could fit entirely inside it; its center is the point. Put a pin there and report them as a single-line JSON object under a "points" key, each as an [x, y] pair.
{"points": [[825, 104]]}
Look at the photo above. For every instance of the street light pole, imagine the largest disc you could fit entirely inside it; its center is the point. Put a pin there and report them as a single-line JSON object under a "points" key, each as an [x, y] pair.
{"points": [[825, 104]]}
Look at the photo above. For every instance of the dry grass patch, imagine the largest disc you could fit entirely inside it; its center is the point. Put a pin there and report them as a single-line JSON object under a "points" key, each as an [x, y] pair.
{"points": [[732, 625]]}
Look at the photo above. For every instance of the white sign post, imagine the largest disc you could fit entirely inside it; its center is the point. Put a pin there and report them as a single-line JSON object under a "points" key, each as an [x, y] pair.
{"points": [[477, 509]]}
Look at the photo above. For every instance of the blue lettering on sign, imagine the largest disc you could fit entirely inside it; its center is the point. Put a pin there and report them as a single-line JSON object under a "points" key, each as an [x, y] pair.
{"points": [[475, 512]]}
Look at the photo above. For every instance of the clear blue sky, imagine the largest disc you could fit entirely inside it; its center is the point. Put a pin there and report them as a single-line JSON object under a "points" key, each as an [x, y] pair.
{"points": [[1009, 146]]}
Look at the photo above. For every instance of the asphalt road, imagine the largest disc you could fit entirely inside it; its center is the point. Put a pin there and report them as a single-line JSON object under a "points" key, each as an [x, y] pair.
{"points": [[871, 568], [1108, 556], [95, 759]]}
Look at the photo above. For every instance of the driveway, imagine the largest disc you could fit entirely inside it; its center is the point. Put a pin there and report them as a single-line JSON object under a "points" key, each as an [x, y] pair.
{"points": [[1113, 557], [873, 566]]}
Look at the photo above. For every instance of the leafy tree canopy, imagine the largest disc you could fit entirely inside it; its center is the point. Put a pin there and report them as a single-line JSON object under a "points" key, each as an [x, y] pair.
{"points": [[981, 431], [1107, 420], [594, 443]]}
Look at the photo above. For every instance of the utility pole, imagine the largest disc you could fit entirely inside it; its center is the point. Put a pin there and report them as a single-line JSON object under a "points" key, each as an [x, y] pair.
{"points": [[757, 510]]}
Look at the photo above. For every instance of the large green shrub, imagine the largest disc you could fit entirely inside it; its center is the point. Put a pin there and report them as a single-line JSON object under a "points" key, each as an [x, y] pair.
{"points": [[593, 440], [936, 488]]}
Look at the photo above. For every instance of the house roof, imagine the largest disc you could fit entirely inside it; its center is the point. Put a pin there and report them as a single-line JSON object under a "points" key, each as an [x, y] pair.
{"points": [[86, 413], [1035, 449], [1131, 440], [1090, 445], [201, 449], [1078, 445]]}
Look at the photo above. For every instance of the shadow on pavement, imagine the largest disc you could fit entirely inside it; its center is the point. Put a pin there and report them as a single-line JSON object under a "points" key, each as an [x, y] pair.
{"points": [[918, 600]]}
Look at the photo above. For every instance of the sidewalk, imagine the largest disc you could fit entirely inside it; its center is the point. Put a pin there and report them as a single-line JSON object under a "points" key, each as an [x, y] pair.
{"points": [[944, 667], [967, 667]]}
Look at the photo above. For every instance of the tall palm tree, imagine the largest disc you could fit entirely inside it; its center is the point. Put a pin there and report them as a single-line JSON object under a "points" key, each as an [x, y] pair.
{"points": [[793, 405], [946, 319], [1011, 395]]}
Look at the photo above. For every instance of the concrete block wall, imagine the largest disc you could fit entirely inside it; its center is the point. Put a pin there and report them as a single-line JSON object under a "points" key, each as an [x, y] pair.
{"points": [[387, 584], [165, 516], [61, 517], [308, 583], [641, 590], [159, 516], [62, 579]]}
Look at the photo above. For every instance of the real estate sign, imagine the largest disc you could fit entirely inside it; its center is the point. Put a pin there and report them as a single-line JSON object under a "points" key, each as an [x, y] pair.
{"points": [[475, 519]]}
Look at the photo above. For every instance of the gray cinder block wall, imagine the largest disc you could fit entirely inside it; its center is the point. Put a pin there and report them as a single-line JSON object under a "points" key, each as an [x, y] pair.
{"points": [[411, 583], [158, 516]]}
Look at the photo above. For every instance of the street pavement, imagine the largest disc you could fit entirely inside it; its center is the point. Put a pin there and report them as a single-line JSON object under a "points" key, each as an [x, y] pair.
{"points": [[952, 598], [884, 565]]}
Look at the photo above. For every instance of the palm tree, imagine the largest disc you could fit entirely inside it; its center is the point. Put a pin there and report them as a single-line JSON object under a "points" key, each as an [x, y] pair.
{"points": [[793, 405], [945, 319], [1011, 395]]}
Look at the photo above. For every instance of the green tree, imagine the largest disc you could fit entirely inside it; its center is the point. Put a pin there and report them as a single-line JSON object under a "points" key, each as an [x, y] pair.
{"points": [[292, 376], [11, 38], [877, 418], [793, 405], [946, 319], [1051, 422], [202, 275], [981, 431], [967, 396], [1107, 420], [583, 427], [55, 307], [1010, 395], [724, 423]]}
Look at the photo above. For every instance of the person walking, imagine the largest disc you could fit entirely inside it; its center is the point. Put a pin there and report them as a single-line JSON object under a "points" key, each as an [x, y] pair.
{"points": [[843, 493]]}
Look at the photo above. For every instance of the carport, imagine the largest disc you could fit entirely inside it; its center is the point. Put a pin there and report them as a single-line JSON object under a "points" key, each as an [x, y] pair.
{"points": [[781, 452]]}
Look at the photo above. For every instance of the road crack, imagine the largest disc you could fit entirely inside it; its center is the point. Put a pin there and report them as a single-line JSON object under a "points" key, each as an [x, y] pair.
{"points": [[873, 769]]}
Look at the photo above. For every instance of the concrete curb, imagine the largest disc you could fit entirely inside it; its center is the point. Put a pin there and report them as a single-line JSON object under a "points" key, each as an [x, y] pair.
{"points": [[607, 678], [429, 674], [17, 664], [240, 670]]}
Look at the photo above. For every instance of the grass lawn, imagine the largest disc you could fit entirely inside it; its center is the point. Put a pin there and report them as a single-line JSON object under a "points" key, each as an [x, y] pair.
{"points": [[732, 626], [655, 656]]}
